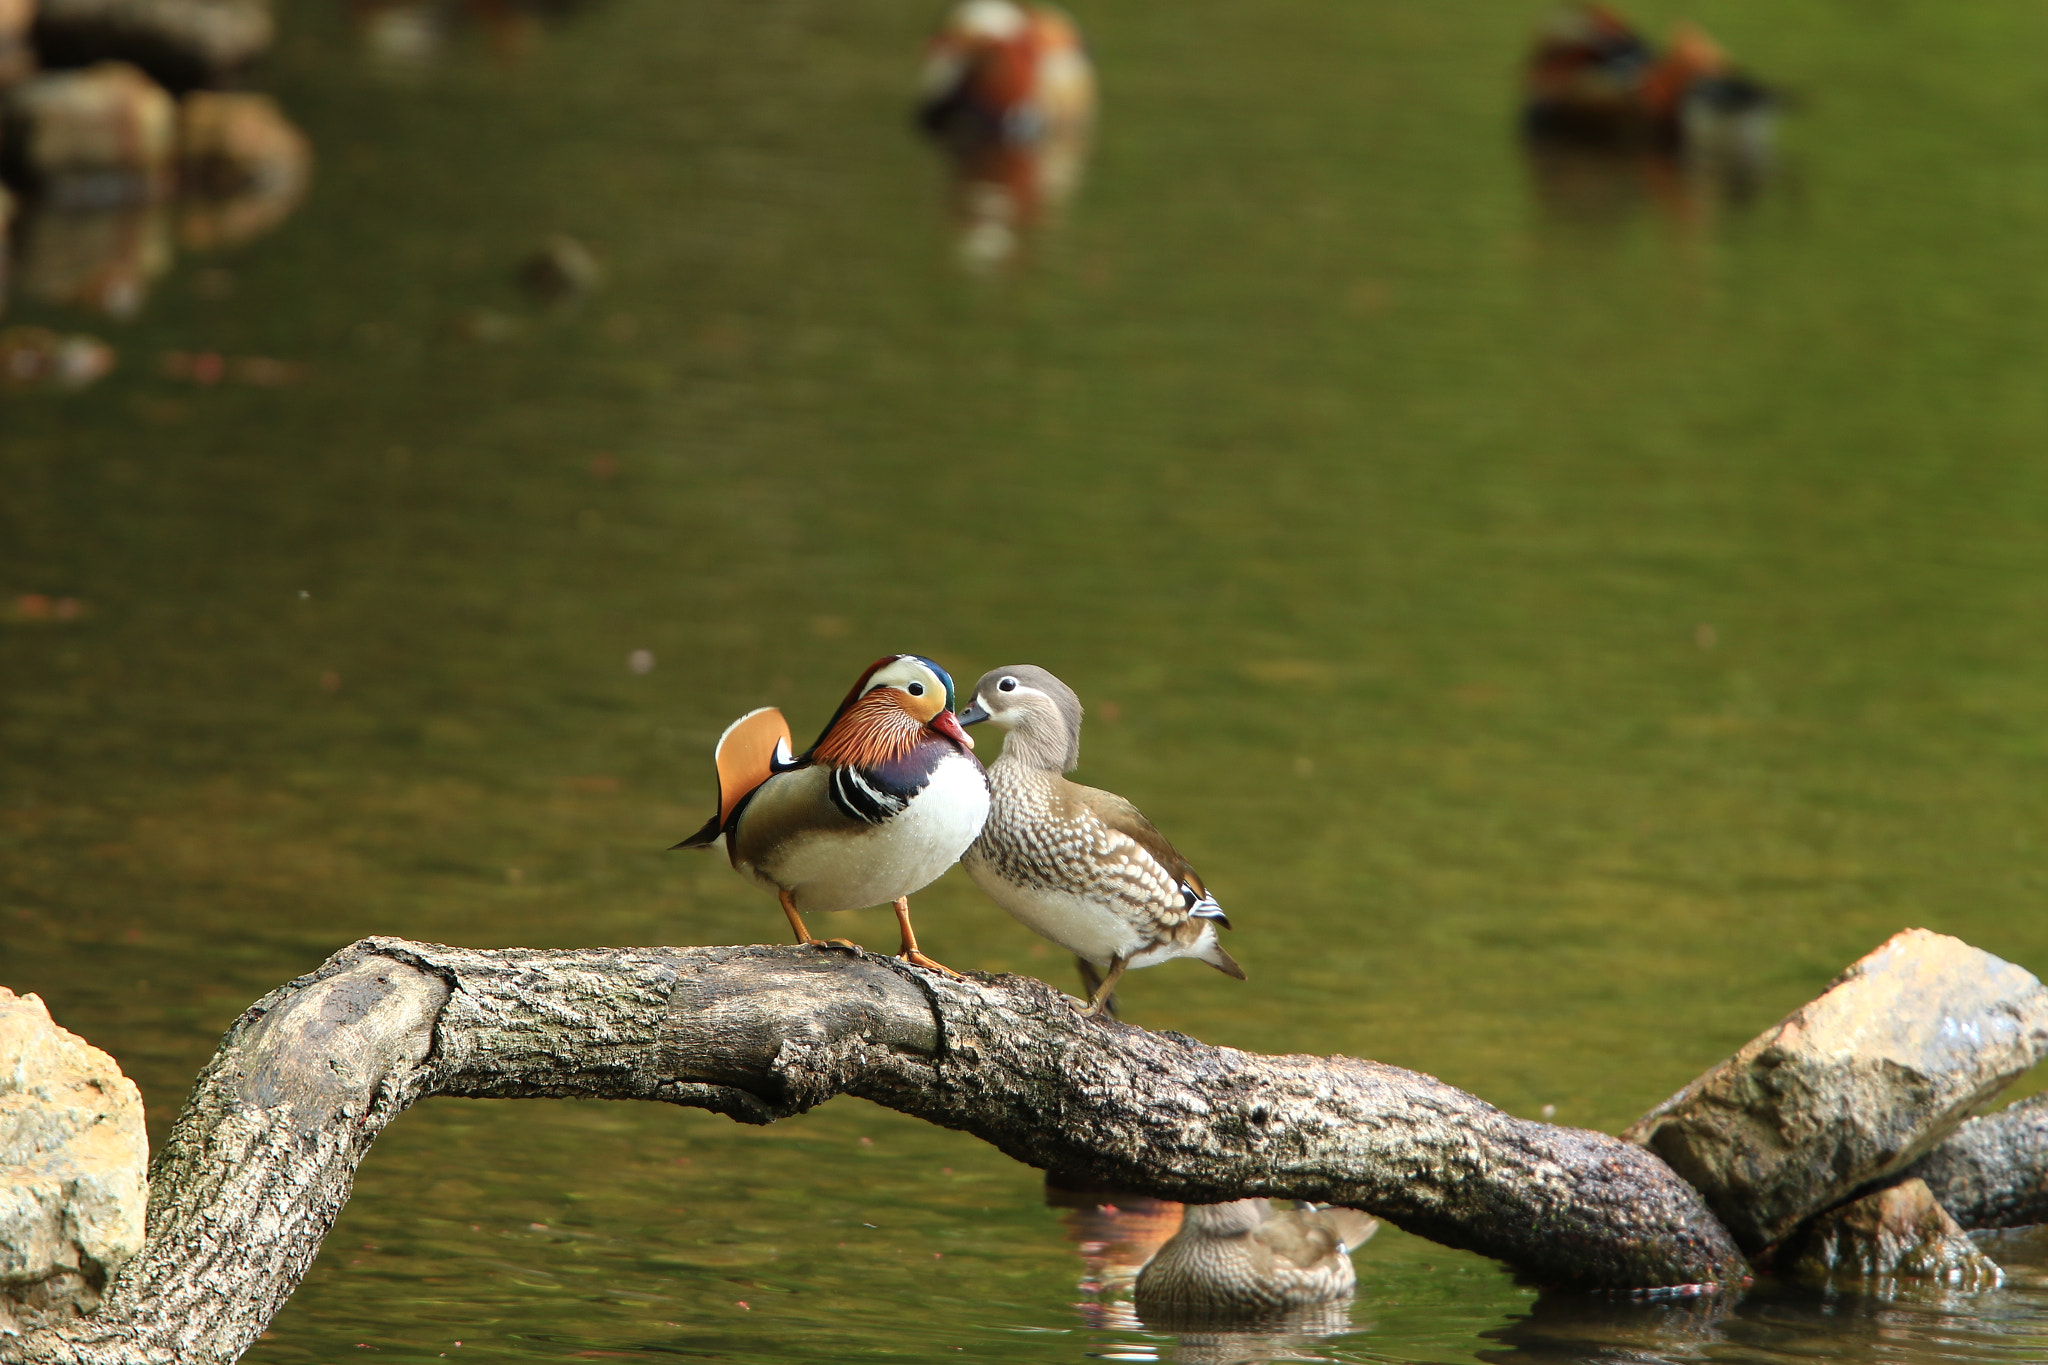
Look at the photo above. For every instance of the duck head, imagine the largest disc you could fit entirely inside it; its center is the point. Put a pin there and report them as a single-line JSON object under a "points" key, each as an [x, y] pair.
{"points": [[896, 687], [1041, 713]]}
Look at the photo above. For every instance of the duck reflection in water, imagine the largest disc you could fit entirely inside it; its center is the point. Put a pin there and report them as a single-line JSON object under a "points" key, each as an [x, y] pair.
{"points": [[1008, 93], [407, 34], [1233, 1283], [1609, 121]]}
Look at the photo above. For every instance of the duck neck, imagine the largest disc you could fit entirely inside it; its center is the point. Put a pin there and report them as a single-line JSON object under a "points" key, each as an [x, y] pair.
{"points": [[1029, 746]]}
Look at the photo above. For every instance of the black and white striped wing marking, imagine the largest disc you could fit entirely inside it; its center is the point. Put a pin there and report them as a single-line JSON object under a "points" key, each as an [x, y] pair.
{"points": [[863, 800]]}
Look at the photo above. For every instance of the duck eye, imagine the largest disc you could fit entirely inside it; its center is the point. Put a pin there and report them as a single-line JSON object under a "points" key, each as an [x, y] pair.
{"points": [[915, 689], [1007, 685]]}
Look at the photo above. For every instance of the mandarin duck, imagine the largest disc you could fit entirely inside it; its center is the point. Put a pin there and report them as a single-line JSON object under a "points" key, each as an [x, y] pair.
{"points": [[1008, 91], [1079, 866], [1003, 71], [888, 798], [1247, 1259], [1593, 79]]}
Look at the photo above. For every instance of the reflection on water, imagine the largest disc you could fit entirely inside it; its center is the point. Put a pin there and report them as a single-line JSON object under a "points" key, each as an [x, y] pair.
{"points": [[1779, 1322], [402, 35], [1568, 672]]}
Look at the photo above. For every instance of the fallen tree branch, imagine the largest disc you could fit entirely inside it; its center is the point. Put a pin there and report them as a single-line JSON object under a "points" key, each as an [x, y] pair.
{"points": [[1993, 1171], [264, 1155]]}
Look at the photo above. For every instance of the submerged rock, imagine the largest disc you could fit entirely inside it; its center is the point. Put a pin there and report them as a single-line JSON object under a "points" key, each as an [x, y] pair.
{"points": [[563, 269], [38, 357], [102, 259], [1853, 1087], [93, 138], [17, 56], [183, 43], [1896, 1233], [72, 1159], [243, 167]]}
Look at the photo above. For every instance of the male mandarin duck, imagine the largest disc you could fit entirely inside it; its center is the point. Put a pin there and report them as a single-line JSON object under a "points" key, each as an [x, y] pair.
{"points": [[888, 798], [1003, 71], [1593, 78], [1082, 867], [1248, 1259], [1008, 91]]}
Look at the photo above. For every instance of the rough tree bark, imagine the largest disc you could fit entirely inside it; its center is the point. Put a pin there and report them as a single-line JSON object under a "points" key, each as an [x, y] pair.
{"points": [[264, 1155], [1993, 1173]]}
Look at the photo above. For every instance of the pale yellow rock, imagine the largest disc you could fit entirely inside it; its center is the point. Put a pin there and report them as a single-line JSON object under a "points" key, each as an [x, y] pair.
{"points": [[73, 1166], [1853, 1087]]}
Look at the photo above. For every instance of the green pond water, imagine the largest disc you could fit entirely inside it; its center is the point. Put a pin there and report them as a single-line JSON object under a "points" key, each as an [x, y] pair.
{"points": [[1565, 627]]}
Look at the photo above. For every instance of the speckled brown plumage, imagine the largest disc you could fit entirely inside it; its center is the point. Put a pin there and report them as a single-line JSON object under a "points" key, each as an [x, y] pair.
{"points": [[1080, 866], [1249, 1259]]}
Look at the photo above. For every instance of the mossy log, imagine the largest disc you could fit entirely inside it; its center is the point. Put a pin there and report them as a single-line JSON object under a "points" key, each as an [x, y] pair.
{"points": [[261, 1161]]}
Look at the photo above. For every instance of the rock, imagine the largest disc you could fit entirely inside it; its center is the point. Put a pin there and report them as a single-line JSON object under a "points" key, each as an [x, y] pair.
{"points": [[73, 1156], [563, 269], [1853, 1087], [243, 167], [1993, 1172], [1899, 1232], [17, 55], [91, 138], [39, 357], [105, 260], [183, 43]]}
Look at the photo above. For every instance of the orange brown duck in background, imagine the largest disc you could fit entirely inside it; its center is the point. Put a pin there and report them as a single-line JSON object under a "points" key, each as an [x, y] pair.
{"points": [[1009, 93], [1594, 79]]}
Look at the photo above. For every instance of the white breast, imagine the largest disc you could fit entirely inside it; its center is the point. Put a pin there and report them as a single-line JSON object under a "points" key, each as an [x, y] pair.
{"points": [[852, 868], [1083, 925]]}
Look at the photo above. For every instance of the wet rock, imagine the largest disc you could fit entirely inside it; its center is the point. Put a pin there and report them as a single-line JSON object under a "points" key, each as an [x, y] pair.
{"points": [[1853, 1087], [72, 1160], [243, 167], [183, 43], [1993, 1172], [563, 269], [1899, 1232], [102, 259], [32, 357], [17, 56], [93, 138]]}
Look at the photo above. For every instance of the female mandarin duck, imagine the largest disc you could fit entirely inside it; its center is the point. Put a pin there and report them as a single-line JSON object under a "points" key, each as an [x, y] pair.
{"points": [[888, 798], [1248, 1259], [1082, 867]]}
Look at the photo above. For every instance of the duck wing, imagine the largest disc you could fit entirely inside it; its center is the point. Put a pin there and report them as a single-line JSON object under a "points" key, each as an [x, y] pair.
{"points": [[1126, 819]]}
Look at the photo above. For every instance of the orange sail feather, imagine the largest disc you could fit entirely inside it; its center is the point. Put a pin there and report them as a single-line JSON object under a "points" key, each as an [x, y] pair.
{"points": [[747, 753]]}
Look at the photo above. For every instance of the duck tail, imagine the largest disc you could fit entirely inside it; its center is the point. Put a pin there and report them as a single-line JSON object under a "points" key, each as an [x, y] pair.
{"points": [[1212, 952], [703, 838]]}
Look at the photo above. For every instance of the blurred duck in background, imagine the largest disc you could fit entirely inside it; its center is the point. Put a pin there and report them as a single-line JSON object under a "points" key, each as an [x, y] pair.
{"points": [[1247, 1260], [1009, 93], [1080, 866], [1593, 79], [888, 798]]}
